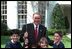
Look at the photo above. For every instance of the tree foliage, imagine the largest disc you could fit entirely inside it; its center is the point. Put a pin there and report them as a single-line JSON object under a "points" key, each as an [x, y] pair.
{"points": [[58, 20]]}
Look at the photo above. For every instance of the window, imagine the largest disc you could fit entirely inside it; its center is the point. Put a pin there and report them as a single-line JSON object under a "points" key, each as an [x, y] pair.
{"points": [[19, 7], [19, 2], [5, 2], [22, 13], [19, 11], [25, 2], [5, 7], [4, 11], [25, 11]]}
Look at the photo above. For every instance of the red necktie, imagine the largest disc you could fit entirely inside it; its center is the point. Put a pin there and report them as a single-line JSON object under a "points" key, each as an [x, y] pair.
{"points": [[36, 33]]}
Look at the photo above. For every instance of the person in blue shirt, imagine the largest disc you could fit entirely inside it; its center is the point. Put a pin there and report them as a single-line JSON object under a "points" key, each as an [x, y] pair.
{"points": [[14, 42], [57, 40]]}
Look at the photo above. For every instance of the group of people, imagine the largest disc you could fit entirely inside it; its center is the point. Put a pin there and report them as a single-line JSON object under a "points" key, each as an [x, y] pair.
{"points": [[33, 35]]}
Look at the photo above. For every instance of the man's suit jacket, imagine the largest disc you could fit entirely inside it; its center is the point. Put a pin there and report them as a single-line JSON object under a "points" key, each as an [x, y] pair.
{"points": [[30, 29]]}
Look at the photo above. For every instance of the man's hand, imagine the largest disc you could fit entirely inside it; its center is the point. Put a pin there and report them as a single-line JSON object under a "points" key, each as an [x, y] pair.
{"points": [[56, 42], [26, 46], [26, 41]]}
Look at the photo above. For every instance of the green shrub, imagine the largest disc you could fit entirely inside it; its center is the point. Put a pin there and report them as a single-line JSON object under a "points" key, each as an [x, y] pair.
{"points": [[51, 31], [8, 32], [3, 28], [59, 21]]}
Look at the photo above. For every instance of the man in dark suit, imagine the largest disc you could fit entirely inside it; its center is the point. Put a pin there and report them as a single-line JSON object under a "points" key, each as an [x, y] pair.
{"points": [[35, 30]]}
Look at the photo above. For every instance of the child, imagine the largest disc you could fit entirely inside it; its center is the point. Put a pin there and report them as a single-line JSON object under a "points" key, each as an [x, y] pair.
{"points": [[57, 40], [43, 43], [25, 37], [14, 42]]}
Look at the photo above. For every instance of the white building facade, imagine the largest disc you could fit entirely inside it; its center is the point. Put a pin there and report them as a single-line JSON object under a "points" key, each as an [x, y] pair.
{"points": [[17, 13], [20, 12]]}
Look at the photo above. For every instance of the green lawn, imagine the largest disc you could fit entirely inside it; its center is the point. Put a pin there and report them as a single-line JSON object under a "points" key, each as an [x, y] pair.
{"points": [[66, 41], [4, 39]]}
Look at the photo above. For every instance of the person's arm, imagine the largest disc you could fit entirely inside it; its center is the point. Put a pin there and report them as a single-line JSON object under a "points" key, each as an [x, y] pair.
{"points": [[22, 33], [50, 42]]}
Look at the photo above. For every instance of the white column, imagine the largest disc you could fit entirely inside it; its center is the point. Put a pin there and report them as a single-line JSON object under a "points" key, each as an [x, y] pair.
{"points": [[46, 15], [49, 10], [12, 14], [29, 12]]}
